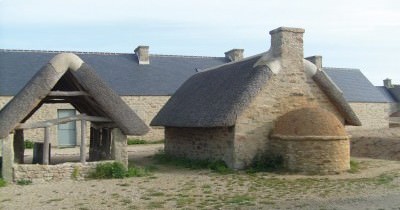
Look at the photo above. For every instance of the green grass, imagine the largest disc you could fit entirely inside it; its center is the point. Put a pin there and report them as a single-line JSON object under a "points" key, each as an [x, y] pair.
{"points": [[218, 166], [28, 144], [266, 163], [75, 173], [240, 199], [24, 182], [140, 141], [2, 182], [354, 167], [116, 170], [384, 179]]}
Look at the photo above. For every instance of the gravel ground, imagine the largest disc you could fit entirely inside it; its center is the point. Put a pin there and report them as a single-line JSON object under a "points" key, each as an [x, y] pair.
{"points": [[375, 186]]}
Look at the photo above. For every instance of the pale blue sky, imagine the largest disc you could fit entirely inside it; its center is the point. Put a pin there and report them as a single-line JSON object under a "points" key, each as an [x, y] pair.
{"points": [[362, 34]]}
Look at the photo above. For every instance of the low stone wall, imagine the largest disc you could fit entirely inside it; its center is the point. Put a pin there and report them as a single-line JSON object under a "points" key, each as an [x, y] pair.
{"points": [[200, 143], [313, 156], [43, 173], [387, 148]]}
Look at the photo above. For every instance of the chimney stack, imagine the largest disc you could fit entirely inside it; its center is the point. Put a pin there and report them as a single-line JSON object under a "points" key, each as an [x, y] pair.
{"points": [[316, 60], [287, 43], [387, 83], [142, 53], [234, 55]]}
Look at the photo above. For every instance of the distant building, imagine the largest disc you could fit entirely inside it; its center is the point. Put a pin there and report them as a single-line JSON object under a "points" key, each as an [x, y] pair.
{"points": [[373, 105], [144, 81]]}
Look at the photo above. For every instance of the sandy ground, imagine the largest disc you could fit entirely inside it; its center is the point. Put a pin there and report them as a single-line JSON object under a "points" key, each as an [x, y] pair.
{"points": [[375, 186]]}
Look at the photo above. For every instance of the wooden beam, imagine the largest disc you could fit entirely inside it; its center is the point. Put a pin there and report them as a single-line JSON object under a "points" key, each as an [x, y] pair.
{"points": [[46, 146], [48, 123], [104, 125], [83, 141], [67, 93], [56, 101]]}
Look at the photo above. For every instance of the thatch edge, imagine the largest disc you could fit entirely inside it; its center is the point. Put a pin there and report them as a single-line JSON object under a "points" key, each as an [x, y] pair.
{"points": [[336, 96]]}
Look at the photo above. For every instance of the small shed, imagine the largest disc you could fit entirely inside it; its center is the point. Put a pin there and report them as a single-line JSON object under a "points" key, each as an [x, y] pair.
{"points": [[228, 112], [311, 140], [68, 79]]}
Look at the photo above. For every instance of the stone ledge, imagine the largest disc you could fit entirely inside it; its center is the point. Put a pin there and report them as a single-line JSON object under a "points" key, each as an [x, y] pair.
{"points": [[311, 138]]}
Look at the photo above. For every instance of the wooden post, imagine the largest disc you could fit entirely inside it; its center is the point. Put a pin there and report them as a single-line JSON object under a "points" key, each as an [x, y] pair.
{"points": [[8, 158], [46, 146], [83, 141], [19, 146]]}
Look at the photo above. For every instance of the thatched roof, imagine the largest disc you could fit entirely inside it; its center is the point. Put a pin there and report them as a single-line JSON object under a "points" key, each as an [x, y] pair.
{"points": [[216, 97], [67, 72]]}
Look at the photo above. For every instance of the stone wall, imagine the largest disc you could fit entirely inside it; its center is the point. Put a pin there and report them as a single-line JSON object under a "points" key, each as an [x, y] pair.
{"points": [[288, 90], [313, 156], [200, 143], [284, 92], [43, 173], [146, 107], [372, 115]]}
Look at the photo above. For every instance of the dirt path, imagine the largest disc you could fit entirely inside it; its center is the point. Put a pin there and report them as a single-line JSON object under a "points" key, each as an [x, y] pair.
{"points": [[376, 186]]}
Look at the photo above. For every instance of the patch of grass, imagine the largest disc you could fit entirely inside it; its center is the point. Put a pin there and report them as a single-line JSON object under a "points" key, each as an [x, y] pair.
{"points": [[126, 201], [240, 199], [183, 201], [155, 205], [2, 182], [116, 170], [108, 171], [137, 172], [55, 200], [124, 184], [140, 141], [24, 182], [266, 163], [218, 166], [384, 179], [136, 141], [28, 144], [75, 173], [354, 167], [157, 194]]}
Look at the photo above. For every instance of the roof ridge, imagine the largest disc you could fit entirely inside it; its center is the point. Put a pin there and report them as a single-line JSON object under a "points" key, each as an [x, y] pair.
{"points": [[102, 53], [61, 51], [338, 68], [185, 56]]}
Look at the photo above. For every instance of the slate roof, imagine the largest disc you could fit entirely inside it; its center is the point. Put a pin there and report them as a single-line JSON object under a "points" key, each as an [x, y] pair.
{"points": [[355, 86], [67, 72], [386, 93], [120, 71]]}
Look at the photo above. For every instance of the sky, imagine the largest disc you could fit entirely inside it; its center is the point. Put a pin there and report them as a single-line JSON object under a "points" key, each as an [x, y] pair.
{"points": [[362, 34]]}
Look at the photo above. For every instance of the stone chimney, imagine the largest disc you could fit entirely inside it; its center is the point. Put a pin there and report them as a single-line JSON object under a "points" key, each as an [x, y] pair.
{"points": [[316, 60], [142, 53], [287, 43], [387, 83], [234, 55]]}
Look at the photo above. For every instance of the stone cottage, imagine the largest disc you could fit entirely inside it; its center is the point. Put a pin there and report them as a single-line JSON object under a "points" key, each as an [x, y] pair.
{"points": [[144, 81], [227, 112], [67, 79]]}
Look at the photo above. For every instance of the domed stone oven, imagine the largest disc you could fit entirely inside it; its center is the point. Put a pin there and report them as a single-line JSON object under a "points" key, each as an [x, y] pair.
{"points": [[311, 140]]}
